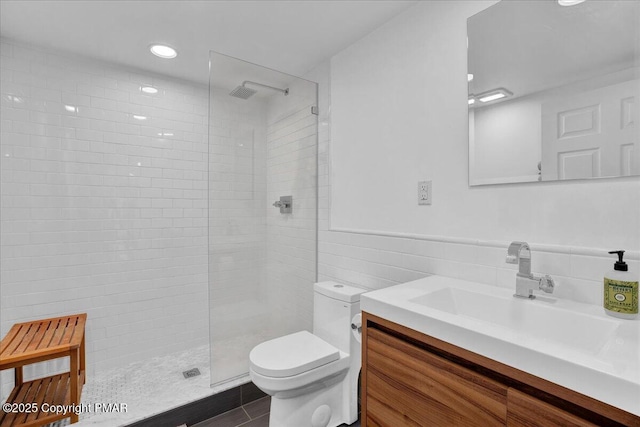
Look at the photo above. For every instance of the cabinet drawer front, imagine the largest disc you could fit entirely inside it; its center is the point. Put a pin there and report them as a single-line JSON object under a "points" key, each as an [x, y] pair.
{"points": [[527, 411], [408, 386]]}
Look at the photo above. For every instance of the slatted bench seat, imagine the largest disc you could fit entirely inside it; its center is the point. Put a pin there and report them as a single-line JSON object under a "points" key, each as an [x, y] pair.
{"points": [[37, 341]]}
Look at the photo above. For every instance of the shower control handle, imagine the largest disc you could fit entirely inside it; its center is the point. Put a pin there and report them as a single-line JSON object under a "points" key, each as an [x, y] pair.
{"points": [[285, 204]]}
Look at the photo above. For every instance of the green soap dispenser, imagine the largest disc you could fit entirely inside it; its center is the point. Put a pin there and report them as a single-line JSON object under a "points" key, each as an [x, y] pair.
{"points": [[621, 290]]}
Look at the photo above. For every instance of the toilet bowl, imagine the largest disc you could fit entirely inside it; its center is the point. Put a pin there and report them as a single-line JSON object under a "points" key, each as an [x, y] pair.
{"points": [[312, 378]]}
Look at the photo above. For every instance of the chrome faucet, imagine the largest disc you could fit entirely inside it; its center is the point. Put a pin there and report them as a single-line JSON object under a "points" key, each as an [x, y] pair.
{"points": [[526, 282]]}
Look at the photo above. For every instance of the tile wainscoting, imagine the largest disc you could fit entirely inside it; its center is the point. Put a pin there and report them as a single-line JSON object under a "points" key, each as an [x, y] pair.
{"points": [[375, 260]]}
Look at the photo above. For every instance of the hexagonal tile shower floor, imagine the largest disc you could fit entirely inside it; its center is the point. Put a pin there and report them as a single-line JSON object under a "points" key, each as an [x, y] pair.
{"points": [[148, 388]]}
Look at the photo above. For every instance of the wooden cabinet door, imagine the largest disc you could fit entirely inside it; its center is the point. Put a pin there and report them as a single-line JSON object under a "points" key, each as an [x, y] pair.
{"points": [[408, 386], [527, 411]]}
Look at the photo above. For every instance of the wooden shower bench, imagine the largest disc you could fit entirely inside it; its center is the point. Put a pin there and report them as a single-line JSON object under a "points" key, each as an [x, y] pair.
{"points": [[37, 341]]}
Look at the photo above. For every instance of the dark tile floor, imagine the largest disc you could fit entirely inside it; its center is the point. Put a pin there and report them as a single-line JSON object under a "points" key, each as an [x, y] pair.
{"points": [[254, 414]]}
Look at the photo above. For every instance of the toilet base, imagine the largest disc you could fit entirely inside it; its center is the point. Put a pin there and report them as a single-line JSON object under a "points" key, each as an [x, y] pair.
{"points": [[327, 407]]}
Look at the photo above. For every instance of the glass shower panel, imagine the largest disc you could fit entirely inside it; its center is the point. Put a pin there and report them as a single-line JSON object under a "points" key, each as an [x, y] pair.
{"points": [[262, 263]]}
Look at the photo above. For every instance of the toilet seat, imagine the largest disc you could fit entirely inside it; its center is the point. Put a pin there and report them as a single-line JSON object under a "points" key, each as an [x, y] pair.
{"points": [[291, 355]]}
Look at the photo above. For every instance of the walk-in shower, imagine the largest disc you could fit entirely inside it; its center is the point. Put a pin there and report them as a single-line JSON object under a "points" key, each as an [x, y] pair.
{"points": [[262, 264], [151, 211]]}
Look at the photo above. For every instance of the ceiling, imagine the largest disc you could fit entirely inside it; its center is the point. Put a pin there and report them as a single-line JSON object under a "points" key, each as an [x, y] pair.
{"points": [[289, 36]]}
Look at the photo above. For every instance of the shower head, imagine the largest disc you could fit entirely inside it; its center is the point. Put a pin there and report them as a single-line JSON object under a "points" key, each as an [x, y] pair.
{"points": [[244, 92]]}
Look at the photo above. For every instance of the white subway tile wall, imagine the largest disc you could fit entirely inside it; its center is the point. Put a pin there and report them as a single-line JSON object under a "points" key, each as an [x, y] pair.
{"points": [[237, 188], [292, 145], [104, 204], [237, 231], [348, 257]]}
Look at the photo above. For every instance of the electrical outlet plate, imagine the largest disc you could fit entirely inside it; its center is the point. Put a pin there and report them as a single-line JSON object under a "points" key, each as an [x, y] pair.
{"points": [[424, 193]]}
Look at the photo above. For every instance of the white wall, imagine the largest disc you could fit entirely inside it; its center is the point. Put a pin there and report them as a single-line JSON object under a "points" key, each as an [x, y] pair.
{"points": [[100, 213], [398, 114], [397, 118]]}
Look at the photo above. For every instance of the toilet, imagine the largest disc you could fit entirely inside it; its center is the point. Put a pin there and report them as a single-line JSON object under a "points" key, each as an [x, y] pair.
{"points": [[313, 378]]}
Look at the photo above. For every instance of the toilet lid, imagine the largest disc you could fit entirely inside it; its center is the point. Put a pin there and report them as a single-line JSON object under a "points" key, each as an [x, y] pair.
{"points": [[291, 355]]}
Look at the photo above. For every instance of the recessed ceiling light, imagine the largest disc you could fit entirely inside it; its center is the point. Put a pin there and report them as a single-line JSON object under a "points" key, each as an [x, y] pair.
{"points": [[471, 101], [135, 116], [469, 77], [163, 51], [149, 89], [70, 108], [569, 2]]}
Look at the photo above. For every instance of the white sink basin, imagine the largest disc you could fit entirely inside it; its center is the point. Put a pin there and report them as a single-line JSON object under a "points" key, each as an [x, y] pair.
{"points": [[539, 319], [571, 344]]}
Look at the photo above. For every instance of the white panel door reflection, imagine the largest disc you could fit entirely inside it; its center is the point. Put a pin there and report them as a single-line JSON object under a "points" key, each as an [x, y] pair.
{"points": [[593, 134]]}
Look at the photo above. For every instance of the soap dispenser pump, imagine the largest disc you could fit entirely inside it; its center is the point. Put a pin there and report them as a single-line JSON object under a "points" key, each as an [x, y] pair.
{"points": [[620, 290]]}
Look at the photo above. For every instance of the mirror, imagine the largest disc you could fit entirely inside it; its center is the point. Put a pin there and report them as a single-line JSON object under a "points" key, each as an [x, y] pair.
{"points": [[554, 91]]}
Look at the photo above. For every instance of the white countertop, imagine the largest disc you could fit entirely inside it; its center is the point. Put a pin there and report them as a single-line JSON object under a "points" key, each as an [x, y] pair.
{"points": [[606, 368]]}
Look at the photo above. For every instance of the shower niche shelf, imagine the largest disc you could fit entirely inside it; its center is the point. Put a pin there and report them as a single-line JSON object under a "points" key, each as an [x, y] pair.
{"points": [[37, 341]]}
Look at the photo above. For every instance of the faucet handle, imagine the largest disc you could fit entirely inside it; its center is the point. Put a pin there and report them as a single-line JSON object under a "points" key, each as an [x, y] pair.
{"points": [[547, 284]]}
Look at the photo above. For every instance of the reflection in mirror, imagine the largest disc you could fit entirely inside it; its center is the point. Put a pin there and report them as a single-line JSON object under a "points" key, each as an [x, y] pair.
{"points": [[554, 91]]}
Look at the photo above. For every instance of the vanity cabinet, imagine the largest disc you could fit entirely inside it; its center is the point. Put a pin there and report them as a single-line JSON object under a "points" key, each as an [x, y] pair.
{"points": [[524, 410], [405, 382], [411, 379]]}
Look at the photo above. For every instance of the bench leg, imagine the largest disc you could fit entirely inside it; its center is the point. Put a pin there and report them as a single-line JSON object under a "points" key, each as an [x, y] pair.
{"points": [[19, 378], [83, 367], [73, 383]]}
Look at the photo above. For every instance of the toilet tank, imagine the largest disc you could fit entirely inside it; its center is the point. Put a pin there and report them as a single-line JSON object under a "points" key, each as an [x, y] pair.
{"points": [[334, 305]]}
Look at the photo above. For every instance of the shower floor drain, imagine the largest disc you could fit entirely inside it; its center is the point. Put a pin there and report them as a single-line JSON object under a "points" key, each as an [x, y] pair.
{"points": [[191, 373]]}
